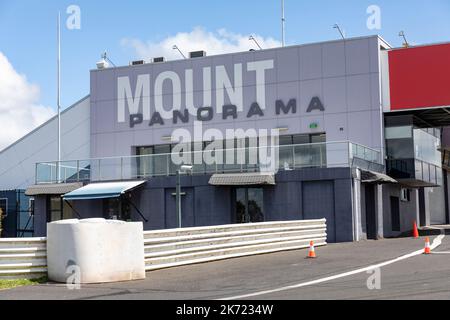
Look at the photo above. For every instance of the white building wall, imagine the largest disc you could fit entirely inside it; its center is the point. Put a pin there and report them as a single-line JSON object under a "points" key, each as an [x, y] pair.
{"points": [[18, 161]]}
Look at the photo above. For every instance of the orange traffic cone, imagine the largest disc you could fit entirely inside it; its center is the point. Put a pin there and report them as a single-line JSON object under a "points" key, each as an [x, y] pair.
{"points": [[427, 246], [415, 231], [312, 251]]}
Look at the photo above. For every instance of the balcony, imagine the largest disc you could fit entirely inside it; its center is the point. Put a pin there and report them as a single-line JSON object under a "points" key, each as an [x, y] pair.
{"points": [[414, 157], [291, 157]]}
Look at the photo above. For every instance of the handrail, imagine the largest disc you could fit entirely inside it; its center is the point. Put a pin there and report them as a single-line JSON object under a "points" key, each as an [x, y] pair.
{"points": [[96, 169]]}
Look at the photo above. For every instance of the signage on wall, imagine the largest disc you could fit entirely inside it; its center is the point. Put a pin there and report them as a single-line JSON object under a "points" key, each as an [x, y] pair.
{"points": [[419, 77], [134, 106]]}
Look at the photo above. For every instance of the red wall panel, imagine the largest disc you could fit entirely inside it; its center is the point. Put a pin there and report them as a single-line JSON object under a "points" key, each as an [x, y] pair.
{"points": [[420, 77]]}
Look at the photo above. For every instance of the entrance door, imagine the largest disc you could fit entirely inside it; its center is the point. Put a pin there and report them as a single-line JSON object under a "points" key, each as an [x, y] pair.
{"points": [[395, 214], [371, 217], [249, 205], [318, 203]]}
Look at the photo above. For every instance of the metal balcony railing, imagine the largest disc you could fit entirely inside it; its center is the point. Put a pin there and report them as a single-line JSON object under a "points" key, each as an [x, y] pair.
{"points": [[290, 157]]}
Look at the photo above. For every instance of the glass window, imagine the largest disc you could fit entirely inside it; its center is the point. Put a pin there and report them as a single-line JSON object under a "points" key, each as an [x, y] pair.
{"points": [[301, 139], [427, 147], [249, 205], [400, 148], [58, 209], [404, 132], [111, 208], [67, 211], [285, 140], [117, 209], [162, 159], [241, 203], [3, 207], [145, 161], [318, 138]]}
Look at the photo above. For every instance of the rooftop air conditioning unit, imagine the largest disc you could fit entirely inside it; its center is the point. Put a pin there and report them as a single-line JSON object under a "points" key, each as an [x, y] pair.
{"points": [[137, 62], [197, 54], [102, 64], [158, 60]]}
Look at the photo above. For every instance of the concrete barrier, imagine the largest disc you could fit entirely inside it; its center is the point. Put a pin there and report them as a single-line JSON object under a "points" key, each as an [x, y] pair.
{"points": [[95, 251], [27, 258], [176, 247]]}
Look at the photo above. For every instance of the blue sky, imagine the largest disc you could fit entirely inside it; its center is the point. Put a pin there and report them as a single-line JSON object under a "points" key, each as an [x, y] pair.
{"points": [[28, 36]]}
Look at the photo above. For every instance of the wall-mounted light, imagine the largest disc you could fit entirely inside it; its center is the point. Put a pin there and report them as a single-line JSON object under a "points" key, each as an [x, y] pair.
{"points": [[282, 129], [167, 138]]}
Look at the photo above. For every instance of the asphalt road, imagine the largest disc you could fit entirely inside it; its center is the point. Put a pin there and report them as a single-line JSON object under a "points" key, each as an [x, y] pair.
{"points": [[419, 277]]}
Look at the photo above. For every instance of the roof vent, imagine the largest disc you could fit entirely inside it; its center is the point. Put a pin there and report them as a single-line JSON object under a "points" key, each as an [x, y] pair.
{"points": [[197, 54], [137, 62], [158, 60]]}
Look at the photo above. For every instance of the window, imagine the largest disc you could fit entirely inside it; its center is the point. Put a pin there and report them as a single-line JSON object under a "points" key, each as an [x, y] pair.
{"points": [[3, 213], [4, 207], [116, 209], [153, 160], [249, 205], [405, 195], [156, 160], [31, 207], [57, 209], [395, 214]]}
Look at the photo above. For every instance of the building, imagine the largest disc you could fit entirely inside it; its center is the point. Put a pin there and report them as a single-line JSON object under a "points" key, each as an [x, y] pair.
{"points": [[355, 146]]}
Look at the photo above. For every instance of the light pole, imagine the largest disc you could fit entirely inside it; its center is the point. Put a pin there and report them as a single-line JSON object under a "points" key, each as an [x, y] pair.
{"points": [[182, 170], [252, 38], [402, 34], [341, 32], [175, 47]]}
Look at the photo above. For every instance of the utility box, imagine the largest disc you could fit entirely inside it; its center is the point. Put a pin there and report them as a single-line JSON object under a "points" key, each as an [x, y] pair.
{"points": [[95, 251]]}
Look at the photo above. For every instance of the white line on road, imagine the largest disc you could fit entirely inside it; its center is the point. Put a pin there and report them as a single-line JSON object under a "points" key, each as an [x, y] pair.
{"points": [[436, 243]]}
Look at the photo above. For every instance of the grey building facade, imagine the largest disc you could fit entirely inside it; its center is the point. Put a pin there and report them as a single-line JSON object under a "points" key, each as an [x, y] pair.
{"points": [[324, 100]]}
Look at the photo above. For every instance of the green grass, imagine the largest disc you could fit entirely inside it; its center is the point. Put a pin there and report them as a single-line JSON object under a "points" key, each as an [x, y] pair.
{"points": [[10, 284]]}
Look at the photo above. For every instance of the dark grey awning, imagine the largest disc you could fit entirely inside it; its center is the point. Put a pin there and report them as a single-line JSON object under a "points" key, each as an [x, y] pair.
{"points": [[376, 177], [243, 179], [52, 189]]}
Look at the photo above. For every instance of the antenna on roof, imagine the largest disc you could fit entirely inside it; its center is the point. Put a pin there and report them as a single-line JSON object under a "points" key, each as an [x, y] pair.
{"points": [[283, 25], [336, 26], [58, 167], [402, 35]]}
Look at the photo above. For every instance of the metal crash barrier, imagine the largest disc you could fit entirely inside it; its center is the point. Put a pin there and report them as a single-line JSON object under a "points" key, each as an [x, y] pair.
{"points": [[27, 258]]}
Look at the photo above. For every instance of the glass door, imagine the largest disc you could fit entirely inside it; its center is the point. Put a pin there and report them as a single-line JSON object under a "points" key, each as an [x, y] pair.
{"points": [[249, 207]]}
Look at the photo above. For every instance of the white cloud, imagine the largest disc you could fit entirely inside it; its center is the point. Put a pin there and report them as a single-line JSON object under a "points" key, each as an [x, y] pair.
{"points": [[218, 42], [19, 109]]}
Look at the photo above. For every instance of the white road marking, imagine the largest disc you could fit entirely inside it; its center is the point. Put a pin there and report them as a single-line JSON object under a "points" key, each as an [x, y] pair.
{"points": [[436, 243]]}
